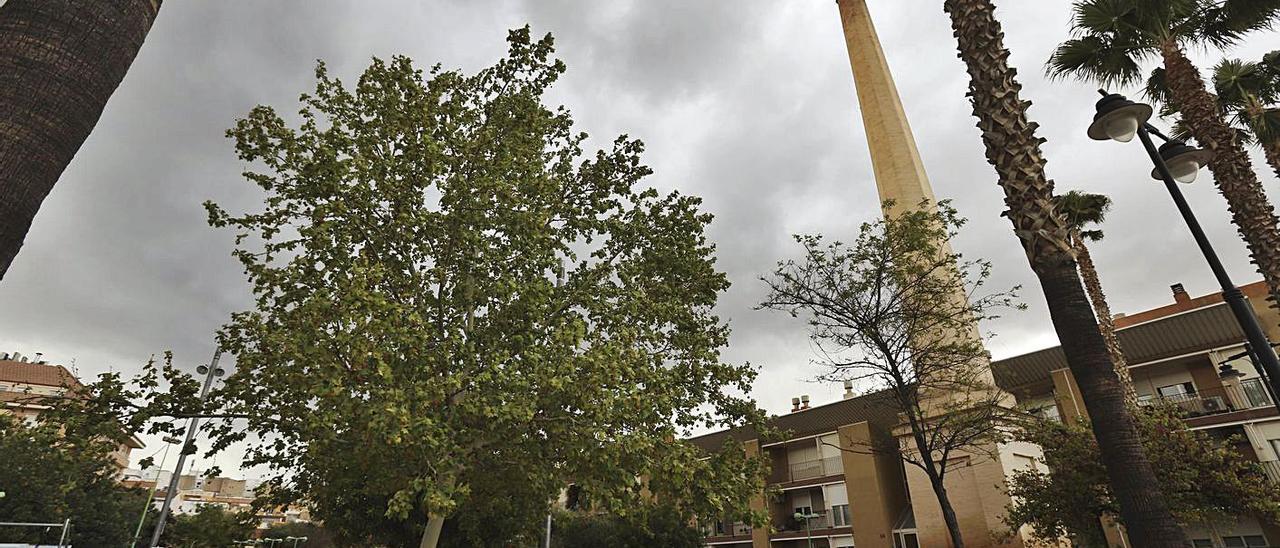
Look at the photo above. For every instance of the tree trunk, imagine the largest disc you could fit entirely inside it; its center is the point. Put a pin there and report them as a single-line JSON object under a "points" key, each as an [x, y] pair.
{"points": [[1271, 149], [431, 537], [1093, 286], [935, 479], [948, 512], [1251, 212], [1014, 149], [60, 60]]}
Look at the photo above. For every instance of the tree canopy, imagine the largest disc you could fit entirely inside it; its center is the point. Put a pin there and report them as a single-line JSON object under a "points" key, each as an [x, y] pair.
{"points": [[1205, 478], [446, 286]]}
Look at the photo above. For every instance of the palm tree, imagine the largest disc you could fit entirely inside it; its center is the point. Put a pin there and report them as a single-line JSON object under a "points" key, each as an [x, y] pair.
{"points": [[1014, 149], [1080, 210], [60, 60], [1247, 93], [1115, 36]]}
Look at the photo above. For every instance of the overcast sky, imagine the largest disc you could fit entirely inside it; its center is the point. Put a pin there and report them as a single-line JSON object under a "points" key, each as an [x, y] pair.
{"points": [[749, 104]]}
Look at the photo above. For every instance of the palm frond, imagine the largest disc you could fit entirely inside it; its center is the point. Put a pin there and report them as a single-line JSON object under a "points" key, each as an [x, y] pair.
{"points": [[1105, 60], [1083, 208], [1266, 128], [1228, 21], [1157, 88], [1237, 81]]}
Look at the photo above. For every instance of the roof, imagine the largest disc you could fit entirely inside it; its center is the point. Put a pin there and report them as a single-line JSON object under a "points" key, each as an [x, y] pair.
{"points": [[36, 373], [876, 408], [1193, 331]]}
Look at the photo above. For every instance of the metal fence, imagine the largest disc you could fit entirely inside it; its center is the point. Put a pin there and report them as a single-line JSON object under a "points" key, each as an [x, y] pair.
{"points": [[1251, 394]]}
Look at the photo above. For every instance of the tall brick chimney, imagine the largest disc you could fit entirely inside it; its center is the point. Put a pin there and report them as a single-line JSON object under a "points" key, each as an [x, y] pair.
{"points": [[1179, 293]]}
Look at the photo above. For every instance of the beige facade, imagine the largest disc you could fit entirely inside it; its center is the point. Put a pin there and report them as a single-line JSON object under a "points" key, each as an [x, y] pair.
{"points": [[25, 387], [1178, 354]]}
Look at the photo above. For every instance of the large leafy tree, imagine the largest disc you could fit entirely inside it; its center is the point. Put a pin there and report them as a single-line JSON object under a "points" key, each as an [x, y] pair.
{"points": [[1083, 211], [1013, 148], [60, 60], [1248, 92], [446, 287], [897, 310], [1116, 36], [1207, 481]]}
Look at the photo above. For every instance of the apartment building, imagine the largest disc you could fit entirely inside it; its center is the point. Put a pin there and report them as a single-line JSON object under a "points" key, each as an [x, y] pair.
{"points": [[27, 383], [1189, 352]]}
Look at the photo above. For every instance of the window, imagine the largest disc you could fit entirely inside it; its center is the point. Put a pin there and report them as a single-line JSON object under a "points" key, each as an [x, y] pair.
{"points": [[840, 515], [1202, 543], [1048, 412], [1275, 446], [1180, 389], [1249, 541], [804, 510]]}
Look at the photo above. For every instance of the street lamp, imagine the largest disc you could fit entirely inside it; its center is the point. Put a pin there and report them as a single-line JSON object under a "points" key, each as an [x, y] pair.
{"points": [[1120, 119], [296, 540], [808, 534], [209, 371]]}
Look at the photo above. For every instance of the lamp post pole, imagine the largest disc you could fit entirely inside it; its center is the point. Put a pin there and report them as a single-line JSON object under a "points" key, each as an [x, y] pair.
{"points": [[211, 371], [1258, 343]]}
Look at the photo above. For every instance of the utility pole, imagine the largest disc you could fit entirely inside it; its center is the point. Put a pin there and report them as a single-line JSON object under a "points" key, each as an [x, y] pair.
{"points": [[210, 371]]}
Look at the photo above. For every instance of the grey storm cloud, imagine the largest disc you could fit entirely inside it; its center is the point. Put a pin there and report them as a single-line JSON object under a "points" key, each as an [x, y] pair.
{"points": [[746, 103]]}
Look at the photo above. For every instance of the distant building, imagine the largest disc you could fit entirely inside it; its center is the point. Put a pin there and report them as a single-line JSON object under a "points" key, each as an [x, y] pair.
{"points": [[198, 490], [27, 384]]}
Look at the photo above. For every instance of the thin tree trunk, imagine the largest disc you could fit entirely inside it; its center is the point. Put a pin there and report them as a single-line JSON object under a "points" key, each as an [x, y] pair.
{"points": [[60, 60], [935, 478], [431, 537], [1093, 286], [1250, 209], [1014, 149], [948, 512]]}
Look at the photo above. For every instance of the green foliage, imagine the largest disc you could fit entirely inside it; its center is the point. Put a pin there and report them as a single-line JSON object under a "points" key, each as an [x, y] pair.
{"points": [[211, 526], [1247, 93], [659, 527], [1206, 480], [446, 288], [55, 471], [1115, 36], [1083, 209]]}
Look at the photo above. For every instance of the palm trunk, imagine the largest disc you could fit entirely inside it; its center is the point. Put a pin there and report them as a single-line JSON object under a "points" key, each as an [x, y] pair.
{"points": [[60, 60], [1093, 286], [1271, 149], [1251, 212], [1014, 149]]}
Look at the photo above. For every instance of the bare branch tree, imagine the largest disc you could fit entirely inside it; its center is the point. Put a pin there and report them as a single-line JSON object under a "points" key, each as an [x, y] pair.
{"points": [[897, 310]]}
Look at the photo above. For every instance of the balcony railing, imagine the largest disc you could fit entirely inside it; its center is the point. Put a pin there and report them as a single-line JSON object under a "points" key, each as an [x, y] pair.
{"points": [[721, 529], [1251, 394], [820, 520], [817, 468], [1272, 468]]}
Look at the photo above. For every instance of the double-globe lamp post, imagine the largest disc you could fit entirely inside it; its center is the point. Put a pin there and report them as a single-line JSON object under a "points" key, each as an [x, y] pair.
{"points": [[1120, 119], [209, 372]]}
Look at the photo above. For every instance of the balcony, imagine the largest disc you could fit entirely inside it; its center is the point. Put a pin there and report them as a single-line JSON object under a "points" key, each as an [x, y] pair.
{"points": [[818, 468], [1272, 468], [722, 529], [1251, 394], [819, 521]]}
